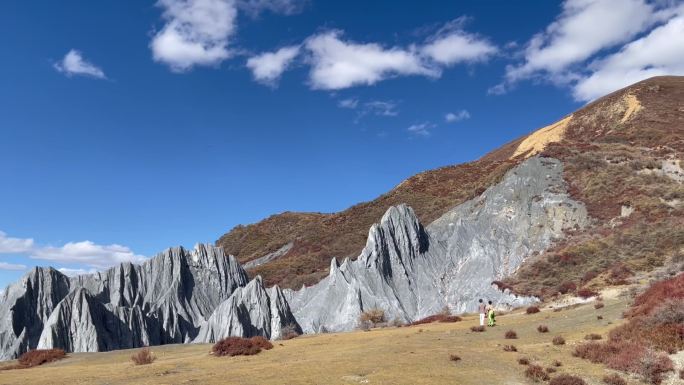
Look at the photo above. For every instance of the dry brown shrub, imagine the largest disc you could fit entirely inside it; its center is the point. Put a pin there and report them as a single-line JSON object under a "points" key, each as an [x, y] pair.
{"points": [[524, 361], [598, 305], [289, 332], [511, 335], [38, 357], [543, 329], [510, 348], [143, 357], [614, 379], [566, 379], [437, 318], [532, 310], [371, 318], [235, 346], [593, 337], [536, 373], [454, 357], [477, 329], [558, 340]]}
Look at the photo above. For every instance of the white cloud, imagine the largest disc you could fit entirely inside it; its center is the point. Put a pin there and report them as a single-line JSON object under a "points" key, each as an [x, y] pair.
{"points": [[286, 7], [12, 266], [338, 64], [74, 272], [661, 52], [452, 45], [197, 32], [584, 28], [10, 245], [85, 252], [421, 129], [267, 67], [457, 117], [73, 63]]}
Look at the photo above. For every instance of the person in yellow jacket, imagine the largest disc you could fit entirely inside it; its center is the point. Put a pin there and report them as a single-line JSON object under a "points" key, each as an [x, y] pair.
{"points": [[491, 317]]}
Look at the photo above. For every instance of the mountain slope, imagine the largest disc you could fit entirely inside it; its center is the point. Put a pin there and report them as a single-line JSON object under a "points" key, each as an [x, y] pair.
{"points": [[640, 126]]}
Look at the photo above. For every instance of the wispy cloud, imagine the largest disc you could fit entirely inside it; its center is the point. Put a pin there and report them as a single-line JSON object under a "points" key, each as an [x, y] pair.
{"points": [[87, 253], [350, 103], [269, 66], [421, 129], [196, 32], [12, 266], [74, 64], [387, 108], [457, 117], [287, 7]]}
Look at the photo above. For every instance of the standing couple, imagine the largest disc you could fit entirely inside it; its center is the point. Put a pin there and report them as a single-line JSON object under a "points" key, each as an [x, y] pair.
{"points": [[487, 310]]}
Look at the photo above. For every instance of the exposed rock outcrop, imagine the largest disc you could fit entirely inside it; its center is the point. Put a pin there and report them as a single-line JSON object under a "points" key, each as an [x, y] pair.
{"points": [[408, 270], [164, 300], [411, 272], [252, 310]]}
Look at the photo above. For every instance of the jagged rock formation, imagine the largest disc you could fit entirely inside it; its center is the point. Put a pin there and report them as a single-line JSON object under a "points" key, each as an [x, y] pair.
{"points": [[251, 310], [25, 306], [164, 300], [411, 271]]}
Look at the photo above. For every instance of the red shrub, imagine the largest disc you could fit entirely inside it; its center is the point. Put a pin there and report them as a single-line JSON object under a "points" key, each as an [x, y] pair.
{"points": [[261, 342], [437, 318], [558, 340], [566, 379], [536, 373], [614, 379], [40, 356], [586, 293], [523, 361], [234, 346], [627, 357], [543, 329], [645, 303], [477, 328], [511, 335], [567, 287], [143, 357], [618, 274], [532, 310]]}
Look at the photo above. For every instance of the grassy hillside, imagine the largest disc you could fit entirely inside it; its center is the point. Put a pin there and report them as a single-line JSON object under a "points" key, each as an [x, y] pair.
{"points": [[407, 355], [613, 151]]}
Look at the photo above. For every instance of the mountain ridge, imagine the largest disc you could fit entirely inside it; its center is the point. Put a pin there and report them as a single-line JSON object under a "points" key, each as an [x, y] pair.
{"points": [[317, 237]]}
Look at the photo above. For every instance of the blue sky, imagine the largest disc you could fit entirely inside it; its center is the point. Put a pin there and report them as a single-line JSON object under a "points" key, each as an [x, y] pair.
{"points": [[130, 126]]}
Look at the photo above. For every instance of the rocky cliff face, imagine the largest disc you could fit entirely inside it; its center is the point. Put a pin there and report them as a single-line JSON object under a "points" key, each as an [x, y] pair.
{"points": [[411, 271], [167, 299]]}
